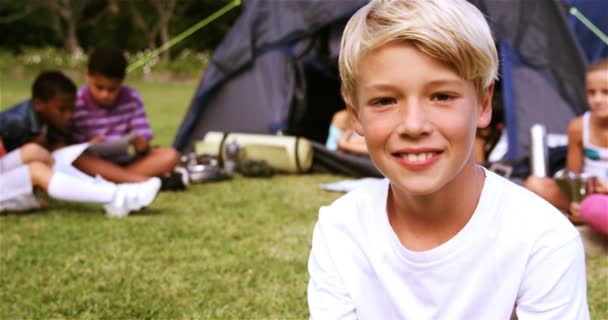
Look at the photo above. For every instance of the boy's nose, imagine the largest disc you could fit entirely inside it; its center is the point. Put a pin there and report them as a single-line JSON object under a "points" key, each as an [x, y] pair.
{"points": [[414, 120]]}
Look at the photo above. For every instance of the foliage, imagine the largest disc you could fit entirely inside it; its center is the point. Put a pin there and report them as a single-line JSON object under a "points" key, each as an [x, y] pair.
{"points": [[33, 23], [30, 61]]}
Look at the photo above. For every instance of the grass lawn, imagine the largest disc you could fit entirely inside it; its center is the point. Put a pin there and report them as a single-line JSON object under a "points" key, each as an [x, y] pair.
{"points": [[228, 250]]}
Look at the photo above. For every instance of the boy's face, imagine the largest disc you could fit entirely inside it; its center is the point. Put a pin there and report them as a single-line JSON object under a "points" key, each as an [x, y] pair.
{"points": [[57, 111], [104, 90], [597, 92], [418, 118]]}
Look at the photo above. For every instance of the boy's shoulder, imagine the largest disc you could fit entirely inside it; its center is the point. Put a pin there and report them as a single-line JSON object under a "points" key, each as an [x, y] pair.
{"points": [[360, 204], [20, 112], [129, 95], [19, 125], [22, 106], [521, 214], [131, 92]]}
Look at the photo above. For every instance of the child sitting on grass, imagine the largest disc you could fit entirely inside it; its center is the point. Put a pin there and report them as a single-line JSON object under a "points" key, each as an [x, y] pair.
{"points": [[440, 237], [42, 121], [587, 145], [108, 109], [31, 166]]}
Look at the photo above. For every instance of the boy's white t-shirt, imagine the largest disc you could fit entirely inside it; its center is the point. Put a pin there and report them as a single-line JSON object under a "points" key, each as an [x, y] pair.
{"points": [[516, 253]]}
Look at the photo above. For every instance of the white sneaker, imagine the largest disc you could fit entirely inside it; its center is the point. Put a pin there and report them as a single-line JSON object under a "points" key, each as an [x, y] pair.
{"points": [[132, 197], [147, 191], [118, 207]]}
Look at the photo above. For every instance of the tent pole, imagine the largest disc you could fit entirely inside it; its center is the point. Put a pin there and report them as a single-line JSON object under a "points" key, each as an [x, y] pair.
{"points": [[143, 60]]}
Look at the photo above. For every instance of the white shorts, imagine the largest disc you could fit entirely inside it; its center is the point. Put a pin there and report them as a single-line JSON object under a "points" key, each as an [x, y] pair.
{"points": [[16, 190]]}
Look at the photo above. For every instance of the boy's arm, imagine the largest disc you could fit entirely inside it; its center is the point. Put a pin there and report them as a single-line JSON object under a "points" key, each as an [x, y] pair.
{"points": [[327, 296], [554, 285], [139, 123]]}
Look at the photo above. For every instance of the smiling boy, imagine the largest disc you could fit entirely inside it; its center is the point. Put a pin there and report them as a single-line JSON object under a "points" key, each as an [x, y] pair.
{"points": [[440, 237]]}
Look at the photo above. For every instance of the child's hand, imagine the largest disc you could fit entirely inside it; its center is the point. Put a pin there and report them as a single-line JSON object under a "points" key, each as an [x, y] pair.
{"points": [[97, 138], [601, 186], [140, 144], [575, 209]]}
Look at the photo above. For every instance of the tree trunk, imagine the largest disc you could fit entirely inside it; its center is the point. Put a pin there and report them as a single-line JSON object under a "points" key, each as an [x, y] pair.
{"points": [[71, 43], [165, 10], [164, 38]]}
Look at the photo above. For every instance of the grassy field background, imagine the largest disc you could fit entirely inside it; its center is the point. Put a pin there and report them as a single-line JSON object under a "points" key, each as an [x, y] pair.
{"points": [[229, 250]]}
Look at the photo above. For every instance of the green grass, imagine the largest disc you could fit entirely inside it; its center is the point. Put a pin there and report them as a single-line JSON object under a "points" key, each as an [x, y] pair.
{"points": [[228, 250]]}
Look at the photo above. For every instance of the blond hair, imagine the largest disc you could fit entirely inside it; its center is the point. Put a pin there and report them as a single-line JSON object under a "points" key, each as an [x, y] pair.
{"points": [[601, 64], [452, 31]]}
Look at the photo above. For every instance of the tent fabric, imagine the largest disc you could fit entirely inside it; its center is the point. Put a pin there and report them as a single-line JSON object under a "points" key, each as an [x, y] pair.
{"points": [[275, 32], [341, 163], [542, 68], [276, 72], [595, 11]]}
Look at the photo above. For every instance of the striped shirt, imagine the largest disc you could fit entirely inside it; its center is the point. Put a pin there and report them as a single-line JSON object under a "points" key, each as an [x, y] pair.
{"points": [[127, 115]]}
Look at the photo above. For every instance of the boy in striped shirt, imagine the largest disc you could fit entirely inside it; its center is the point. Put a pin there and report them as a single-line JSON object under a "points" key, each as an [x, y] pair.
{"points": [[107, 110]]}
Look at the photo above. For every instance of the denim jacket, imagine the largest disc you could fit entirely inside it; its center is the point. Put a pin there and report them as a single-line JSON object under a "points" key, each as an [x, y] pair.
{"points": [[19, 125]]}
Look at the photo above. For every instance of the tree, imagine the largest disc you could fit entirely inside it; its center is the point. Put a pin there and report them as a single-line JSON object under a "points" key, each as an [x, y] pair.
{"points": [[64, 18], [156, 26]]}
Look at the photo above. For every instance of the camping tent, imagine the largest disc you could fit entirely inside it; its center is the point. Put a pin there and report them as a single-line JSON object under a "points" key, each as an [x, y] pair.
{"points": [[276, 72]]}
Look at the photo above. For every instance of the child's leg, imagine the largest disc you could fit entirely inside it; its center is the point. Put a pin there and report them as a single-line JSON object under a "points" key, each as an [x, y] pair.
{"points": [[548, 190], [17, 191], [72, 171], [158, 161], [10, 161], [65, 187], [594, 211], [94, 165], [31, 152]]}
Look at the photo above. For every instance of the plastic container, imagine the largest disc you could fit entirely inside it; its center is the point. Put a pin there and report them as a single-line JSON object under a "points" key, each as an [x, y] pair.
{"points": [[287, 154]]}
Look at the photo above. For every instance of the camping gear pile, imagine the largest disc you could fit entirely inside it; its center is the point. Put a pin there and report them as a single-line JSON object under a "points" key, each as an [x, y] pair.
{"points": [[221, 154]]}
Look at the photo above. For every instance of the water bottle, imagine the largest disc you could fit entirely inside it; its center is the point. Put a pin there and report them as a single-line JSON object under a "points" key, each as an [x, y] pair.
{"points": [[539, 155]]}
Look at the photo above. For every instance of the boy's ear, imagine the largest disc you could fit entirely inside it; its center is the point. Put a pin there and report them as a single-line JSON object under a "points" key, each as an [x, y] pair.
{"points": [[354, 119], [485, 112], [39, 105]]}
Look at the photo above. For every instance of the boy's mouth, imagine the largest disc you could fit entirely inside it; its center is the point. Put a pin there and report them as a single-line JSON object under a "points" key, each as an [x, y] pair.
{"points": [[416, 157]]}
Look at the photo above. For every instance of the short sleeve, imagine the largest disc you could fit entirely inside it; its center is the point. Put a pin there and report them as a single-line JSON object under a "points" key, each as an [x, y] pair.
{"points": [[139, 119], [554, 285]]}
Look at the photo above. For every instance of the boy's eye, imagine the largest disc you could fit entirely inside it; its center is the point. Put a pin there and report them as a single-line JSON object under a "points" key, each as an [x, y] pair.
{"points": [[383, 101], [441, 97]]}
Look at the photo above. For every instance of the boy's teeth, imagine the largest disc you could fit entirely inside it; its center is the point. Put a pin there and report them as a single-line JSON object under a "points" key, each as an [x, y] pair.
{"points": [[419, 157]]}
